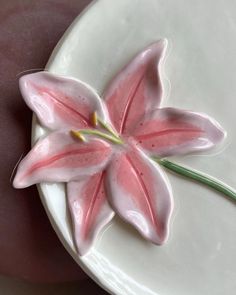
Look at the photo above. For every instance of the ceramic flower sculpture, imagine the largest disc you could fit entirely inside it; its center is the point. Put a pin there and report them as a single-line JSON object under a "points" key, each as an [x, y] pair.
{"points": [[110, 151]]}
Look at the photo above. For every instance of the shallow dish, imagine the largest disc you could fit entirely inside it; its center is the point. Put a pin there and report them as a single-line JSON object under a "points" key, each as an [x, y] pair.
{"points": [[199, 257]]}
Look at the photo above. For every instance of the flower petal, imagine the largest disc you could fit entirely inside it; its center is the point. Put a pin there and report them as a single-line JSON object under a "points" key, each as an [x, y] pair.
{"points": [[169, 131], [61, 158], [140, 194], [137, 88], [60, 102], [89, 209]]}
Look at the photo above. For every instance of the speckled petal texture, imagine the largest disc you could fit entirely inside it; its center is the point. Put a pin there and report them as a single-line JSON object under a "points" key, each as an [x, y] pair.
{"points": [[169, 131], [140, 194], [60, 102], [100, 172], [136, 89], [61, 158], [89, 209]]}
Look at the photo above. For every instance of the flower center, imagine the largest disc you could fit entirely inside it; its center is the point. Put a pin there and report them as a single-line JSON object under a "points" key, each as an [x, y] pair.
{"points": [[110, 134]]}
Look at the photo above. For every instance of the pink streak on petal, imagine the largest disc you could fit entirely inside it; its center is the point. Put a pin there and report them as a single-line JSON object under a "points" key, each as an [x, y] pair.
{"points": [[130, 99], [144, 188], [60, 158], [89, 209], [77, 155], [169, 131], [60, 102], [140, 194], [64, 106], [136, 89], [97, 196]]}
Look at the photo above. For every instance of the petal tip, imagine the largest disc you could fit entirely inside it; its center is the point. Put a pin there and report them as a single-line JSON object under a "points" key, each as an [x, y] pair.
{"points": [[84, 246], [82, 249], [25, 79], [161, 46], [22, 83], [218, 134], [159, 239], [20, 181], [17, 183], [164, 43], [222, 134]]}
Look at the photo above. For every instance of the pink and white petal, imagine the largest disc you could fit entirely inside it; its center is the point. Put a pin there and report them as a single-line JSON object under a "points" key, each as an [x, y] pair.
{"points": [[137, 88], [89, 209], [140, 194], [60, 102], [170, 131], [61, 158]]}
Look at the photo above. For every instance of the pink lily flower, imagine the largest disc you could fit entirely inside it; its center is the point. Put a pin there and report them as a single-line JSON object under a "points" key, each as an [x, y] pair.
{"points": [[106, 159]]}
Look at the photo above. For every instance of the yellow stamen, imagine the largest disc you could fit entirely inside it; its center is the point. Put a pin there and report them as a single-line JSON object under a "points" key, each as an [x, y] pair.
{"points": [[94, 119], [78, 135]]}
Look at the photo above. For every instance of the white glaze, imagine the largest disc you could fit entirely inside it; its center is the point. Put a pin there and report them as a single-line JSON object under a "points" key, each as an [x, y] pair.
{"points": [[201, 68]]}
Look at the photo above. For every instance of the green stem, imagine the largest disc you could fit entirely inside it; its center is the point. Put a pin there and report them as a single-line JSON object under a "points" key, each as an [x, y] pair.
{"points": [[197, 176], [111, 138]]}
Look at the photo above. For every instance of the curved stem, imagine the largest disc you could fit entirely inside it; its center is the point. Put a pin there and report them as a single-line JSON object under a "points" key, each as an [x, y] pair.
{"points": [[198, 176]]}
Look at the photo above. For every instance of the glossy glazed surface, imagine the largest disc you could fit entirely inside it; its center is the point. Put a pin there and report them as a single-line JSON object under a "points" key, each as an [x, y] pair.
{"points": [[205, 252], [102, 148]]}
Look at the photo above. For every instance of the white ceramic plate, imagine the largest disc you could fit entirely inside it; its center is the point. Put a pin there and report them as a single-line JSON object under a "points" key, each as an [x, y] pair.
{"points": [[199, 257]]}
